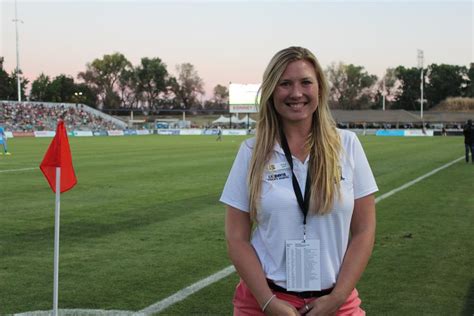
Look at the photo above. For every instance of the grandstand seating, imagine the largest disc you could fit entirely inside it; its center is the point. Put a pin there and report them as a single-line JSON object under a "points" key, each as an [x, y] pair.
{"points": [[41, 116]]}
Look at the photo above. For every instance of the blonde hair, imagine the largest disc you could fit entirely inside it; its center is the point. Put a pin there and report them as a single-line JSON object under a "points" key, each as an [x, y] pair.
{"points": [[323, 143]]}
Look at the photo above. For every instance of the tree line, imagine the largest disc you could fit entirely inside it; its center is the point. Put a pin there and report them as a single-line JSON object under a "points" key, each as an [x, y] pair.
{"points": [[112, 83]]}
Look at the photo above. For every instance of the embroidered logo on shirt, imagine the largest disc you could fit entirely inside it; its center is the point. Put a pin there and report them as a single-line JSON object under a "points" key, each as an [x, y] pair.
{"points": [[277, 176]]}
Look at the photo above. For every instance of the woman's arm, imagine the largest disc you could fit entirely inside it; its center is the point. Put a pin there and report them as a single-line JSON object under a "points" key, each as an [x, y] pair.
{"points": [[238, 229], [356, 257]]}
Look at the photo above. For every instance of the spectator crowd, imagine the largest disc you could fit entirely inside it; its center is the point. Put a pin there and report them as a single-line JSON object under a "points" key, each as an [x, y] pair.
{"points": [[28, 117]]}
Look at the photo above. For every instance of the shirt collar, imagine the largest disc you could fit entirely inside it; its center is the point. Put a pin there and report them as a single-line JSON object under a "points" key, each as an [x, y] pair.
{"points": [[277, 148]]}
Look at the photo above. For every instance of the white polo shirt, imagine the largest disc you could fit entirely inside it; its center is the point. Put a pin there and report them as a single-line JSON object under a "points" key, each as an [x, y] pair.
{"points": [[280, 217]]}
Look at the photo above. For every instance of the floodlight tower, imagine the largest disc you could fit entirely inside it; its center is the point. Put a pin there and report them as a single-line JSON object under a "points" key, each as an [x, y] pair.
{"points": [[420, 65], [16, 20], [384, 92]]}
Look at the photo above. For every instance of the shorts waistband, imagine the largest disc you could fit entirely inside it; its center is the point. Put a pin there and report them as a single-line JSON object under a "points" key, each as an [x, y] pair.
{"points": [[305, 294]]}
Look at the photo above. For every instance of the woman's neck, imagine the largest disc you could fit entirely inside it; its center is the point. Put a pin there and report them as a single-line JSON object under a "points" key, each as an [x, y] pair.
{"points": [[296, 136]]}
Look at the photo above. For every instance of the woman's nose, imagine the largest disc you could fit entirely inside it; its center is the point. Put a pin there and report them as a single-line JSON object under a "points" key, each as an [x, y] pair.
{"points": [[296, 91]]}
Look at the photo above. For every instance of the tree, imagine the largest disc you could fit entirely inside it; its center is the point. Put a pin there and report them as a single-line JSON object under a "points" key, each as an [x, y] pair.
{"points": [[444, 81], [61, 89], [351, 87], [335, 76], [152, 79], [39, 88], [408, 94], [219, 101], [14, 86], [103, 76], [221, 94], [469, 92], [9, 84], [128, 88], [389, 87], [187, 86], [6, 89]]}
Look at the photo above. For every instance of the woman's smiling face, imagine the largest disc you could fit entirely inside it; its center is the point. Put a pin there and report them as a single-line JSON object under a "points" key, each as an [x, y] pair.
{"points": [[296, 95]]}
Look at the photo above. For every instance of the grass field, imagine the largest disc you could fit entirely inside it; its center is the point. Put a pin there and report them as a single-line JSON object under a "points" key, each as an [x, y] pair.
{"points": [[144, 221]]}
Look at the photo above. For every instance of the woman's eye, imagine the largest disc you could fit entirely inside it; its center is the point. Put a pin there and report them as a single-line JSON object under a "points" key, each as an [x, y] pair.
{"points": [[307, 82]]}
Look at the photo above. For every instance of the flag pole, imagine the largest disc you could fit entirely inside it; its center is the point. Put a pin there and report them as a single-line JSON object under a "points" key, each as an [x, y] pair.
{"points": [[57, 164], [56, 241]]}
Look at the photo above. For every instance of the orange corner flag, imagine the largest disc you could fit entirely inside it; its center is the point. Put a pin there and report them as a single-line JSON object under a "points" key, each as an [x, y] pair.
{"points": [[59, 155]]}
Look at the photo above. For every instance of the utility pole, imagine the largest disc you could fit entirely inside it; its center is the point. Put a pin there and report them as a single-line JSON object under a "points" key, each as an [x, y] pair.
{"points": [[420, 65], [16, 20], [383, 94]]}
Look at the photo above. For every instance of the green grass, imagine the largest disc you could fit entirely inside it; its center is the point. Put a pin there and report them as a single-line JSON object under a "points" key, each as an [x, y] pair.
{"points": [[144, 221], [423, 259]]}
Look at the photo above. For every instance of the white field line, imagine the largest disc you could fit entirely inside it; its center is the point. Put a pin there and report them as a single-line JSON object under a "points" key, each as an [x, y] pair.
{"points": [[184, 293], [409, 184], [14, 170]]}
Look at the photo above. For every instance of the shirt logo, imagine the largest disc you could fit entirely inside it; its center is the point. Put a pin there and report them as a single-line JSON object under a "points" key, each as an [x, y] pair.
{"points": [[277, 176]]}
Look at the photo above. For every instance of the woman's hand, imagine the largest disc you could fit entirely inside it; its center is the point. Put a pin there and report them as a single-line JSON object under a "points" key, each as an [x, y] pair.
{"points": [[327, 305], [279, 307]]}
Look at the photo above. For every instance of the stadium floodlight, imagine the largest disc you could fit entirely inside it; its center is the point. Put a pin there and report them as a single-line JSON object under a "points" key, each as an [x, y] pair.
{"points": [[16, 20], [384, 92], [78, 96], [420, 65]]}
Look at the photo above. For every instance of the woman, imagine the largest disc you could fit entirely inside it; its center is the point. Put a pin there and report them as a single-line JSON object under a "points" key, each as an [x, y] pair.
{"points": [[294, 194]]}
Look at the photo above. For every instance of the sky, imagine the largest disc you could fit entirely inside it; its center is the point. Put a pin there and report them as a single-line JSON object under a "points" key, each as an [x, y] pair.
{"points": [[233, 41]]}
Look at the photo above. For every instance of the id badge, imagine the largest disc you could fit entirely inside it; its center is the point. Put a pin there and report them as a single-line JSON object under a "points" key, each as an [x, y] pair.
{"points": [[303, 265], [278, 166]]}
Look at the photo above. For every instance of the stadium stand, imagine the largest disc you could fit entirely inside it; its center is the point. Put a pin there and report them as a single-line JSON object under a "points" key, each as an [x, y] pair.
{"points": [[400, 118], [42, 116]]}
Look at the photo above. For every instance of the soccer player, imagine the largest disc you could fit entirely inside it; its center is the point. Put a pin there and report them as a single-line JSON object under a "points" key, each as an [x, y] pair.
{"points": [[3, 141]]}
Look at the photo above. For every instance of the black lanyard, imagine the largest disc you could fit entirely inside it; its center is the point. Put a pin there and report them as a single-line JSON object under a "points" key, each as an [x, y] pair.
{"points": [[303, 203]]}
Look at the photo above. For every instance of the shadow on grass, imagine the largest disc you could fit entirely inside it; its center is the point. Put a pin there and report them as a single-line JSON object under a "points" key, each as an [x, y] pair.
{"points": [[79, 230], [469, 304]]}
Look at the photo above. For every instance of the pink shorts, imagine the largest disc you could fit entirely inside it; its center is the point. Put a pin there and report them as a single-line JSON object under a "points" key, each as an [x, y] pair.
{"points": [[246, 305]]}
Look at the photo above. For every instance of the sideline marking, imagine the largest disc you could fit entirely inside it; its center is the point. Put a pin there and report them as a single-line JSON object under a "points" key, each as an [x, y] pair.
{"points": [[13, 170], [184, 293], [409, 184]]}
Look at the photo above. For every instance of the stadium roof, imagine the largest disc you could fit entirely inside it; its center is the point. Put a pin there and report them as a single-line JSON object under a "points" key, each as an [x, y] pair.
{"points": [[452, 117], [399, 116]]}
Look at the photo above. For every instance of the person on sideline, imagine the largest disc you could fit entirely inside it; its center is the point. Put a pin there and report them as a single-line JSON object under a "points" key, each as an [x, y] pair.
{"points": [[219, 134], [3, 141], [294, 195], [468, 132]]}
